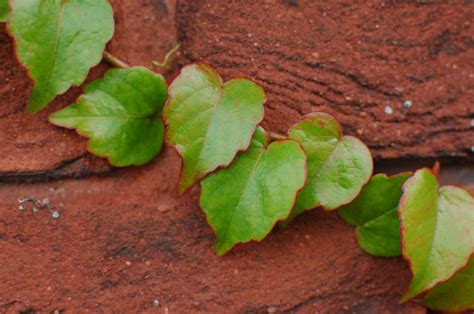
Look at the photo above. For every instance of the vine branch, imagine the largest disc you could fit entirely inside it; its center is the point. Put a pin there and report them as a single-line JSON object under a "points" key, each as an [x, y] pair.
{"points": [[116, 62], [277, 136], [168, 57]]}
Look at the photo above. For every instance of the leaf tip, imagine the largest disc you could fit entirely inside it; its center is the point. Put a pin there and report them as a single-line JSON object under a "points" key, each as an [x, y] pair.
{"points": [[407, 296], [53, 118], [221, 249], [219, 252], [33, 108], [184, 185]]}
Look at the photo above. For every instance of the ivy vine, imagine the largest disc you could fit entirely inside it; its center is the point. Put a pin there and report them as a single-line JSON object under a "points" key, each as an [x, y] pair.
{"points": [[249, 182]]}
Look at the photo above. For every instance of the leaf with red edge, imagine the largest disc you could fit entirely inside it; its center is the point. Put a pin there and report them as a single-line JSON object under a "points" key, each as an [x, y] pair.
{"points": [[210, 121], [436, 230], [338, 166], [374, 212], [454, 295], [121, 114], [58, 41], [244, 201]]}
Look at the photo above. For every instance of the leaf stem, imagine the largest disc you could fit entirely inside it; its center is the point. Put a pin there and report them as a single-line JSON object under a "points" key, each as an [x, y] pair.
{"points": [[436, 168], [168, 57], [277, 136], [116, 62]]}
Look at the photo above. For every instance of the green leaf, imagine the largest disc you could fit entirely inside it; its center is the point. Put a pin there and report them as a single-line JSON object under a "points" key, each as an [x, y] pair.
{"points": [[58, 41], [436, 230], [454, 295], [374, 212], [208, 121], [244, 201], [3, 10], [121, 114], [338, 166]]}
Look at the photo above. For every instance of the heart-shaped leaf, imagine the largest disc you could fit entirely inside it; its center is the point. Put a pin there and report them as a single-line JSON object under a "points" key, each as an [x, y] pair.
{"points": [[3, 10], [436, 230], [454, 295], [338, 166], [374, 212], [244, 201], [58, 41], [208, 121], [121, 114]]}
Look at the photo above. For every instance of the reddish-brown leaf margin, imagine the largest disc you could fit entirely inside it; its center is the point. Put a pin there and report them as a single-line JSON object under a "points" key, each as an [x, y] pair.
{"points": [[435, 171], [294, 201], [7, 27], [341, 134], [166, 123]]}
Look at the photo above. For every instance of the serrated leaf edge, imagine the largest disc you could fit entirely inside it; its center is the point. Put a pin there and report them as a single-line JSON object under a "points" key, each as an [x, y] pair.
{"points": [[180, 154], [379, 175], [28, 71], [341, 135], [275, 223], [403, 242], [89, 141], [364, 182]]}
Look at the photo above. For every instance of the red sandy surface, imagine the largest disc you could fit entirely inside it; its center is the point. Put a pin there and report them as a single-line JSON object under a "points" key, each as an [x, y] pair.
{"points": [[129, 238]]}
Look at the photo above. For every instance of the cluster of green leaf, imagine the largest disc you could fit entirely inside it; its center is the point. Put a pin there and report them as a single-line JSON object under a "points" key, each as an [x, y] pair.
{"points": [[249, 183], [432, 227]]}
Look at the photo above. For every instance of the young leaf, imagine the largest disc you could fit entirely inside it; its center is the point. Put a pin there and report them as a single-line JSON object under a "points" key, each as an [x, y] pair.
{"points": [[244, 201], [58, 41], [436, 230], [121, 114], [374, 212], [338, 166], [208, 121], [3, 10], [454, 295]]}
